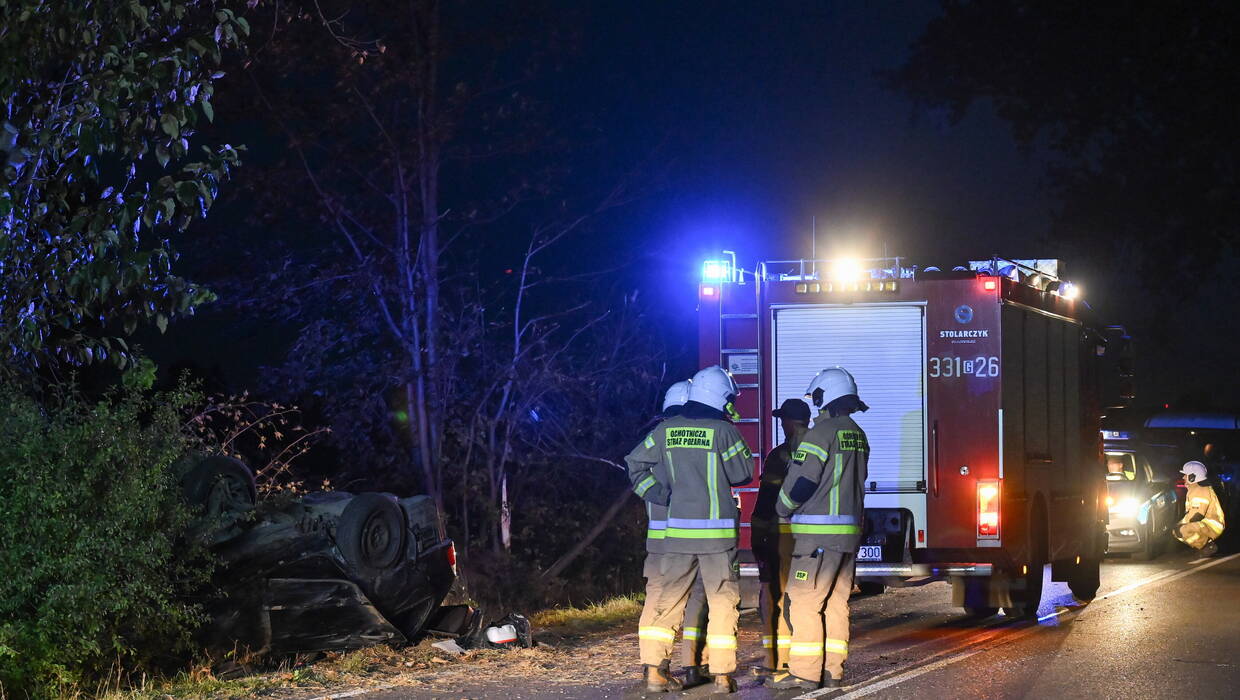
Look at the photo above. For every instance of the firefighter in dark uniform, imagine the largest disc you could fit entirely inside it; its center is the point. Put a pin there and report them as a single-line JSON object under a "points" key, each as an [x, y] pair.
{"points": [[772, 539]]}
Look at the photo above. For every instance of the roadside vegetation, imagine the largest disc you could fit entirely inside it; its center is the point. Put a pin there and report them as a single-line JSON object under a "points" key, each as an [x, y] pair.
{"points": [[98, 580], [607, 614], [557, 630], [508, 394]]}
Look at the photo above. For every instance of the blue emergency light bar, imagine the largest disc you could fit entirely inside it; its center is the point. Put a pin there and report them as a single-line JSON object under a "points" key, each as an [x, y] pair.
{"points": [[1115, 434], [717, 271]]}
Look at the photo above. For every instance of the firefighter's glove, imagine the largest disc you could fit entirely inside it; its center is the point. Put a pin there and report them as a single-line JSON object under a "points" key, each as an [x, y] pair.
{"points": [[1196, 517]]}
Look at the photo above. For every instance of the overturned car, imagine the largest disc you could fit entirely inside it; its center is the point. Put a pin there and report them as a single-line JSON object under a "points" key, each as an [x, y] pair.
{"points": [[328, 570]]}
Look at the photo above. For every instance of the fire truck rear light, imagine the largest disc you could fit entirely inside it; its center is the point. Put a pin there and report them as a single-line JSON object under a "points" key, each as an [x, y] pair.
{"points": [[990, 285], [802, 288], [921, 536], [452, 556], [988, 510], [815, 288], [708, 291]]}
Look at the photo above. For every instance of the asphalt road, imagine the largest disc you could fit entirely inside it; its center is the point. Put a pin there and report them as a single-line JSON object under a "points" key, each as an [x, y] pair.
{"points": [[1163, 629]]}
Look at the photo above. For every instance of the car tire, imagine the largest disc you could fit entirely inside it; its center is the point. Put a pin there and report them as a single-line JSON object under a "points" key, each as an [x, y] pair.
{"points": [[1149, 547], [220, 484], [371, 533]]}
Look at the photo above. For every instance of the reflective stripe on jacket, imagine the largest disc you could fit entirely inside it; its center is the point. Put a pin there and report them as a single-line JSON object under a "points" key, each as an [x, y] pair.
{"points": [[823, 495], [1201, 499], [697, 460], [648, 488]]}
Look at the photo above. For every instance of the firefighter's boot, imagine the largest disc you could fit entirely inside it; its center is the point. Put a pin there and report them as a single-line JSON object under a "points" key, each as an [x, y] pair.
{"points": [[1211, 549], [696, 675], [786, 681], [659, 679], [724, 684]]}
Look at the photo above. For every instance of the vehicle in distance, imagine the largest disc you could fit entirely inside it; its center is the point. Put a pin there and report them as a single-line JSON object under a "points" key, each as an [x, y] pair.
{"points": [[1141, 504]]}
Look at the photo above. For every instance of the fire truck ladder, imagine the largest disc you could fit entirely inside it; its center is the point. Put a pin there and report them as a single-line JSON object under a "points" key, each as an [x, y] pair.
{"points": [[739, 344], [738, 335]]}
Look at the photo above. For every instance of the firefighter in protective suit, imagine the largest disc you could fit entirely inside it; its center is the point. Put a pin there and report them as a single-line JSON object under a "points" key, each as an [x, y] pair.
{"points": [[1203, 519], [655, 495], [697, 456], [822, 497]]}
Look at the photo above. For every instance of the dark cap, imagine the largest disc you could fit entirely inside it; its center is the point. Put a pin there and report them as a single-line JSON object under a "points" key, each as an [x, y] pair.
{"points": [[793, 409]]}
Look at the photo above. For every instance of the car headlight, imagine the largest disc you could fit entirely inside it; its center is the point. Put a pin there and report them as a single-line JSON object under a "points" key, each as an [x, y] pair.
{"points": [[1125, 507]]}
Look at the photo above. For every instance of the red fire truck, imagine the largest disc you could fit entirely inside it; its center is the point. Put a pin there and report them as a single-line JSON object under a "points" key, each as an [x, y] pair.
{"points": [[983, 382]]}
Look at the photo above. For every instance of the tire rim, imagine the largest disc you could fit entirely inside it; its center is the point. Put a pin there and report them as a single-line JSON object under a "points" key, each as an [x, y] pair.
{"points": [[376, 539], [227, 494]]}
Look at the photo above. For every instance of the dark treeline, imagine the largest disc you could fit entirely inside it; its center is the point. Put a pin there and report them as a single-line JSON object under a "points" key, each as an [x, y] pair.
{"points": [[415, 243]]}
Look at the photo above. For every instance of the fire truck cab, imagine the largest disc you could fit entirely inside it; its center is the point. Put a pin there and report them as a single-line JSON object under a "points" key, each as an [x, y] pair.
{"points": [[983, 386]]}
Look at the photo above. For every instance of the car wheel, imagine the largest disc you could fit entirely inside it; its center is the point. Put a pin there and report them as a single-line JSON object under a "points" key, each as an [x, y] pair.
{"points": [[371, 532], [219, 485], [1149, 547]]}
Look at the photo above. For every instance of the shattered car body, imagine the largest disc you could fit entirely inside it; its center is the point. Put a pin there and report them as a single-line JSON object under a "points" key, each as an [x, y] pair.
{"points": [[329, 570]]}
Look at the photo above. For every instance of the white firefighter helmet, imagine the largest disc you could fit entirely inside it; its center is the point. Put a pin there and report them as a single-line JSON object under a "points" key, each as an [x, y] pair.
{"points": [[677, 394], [714, 387], [834, 382], [1194, 472]]}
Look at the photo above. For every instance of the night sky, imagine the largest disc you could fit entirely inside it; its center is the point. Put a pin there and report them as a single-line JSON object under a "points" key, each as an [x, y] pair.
{"points": [[770, 116], [780, 118]]}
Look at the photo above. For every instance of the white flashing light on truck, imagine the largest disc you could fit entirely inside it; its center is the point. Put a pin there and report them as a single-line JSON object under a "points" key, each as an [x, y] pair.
{"points": [[983, 382]]}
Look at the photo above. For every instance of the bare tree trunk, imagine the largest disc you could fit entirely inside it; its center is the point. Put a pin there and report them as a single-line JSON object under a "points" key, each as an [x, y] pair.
{"points": [[604, 520], [415, 394], [427, 22]]}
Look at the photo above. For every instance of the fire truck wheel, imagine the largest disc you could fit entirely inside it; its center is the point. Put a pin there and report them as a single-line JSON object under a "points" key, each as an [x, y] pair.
{"points": [[1026, 592], [871, 587], [980, 612], [1026, 579], [1084, 584], [1085, 577], [1085, 580]]}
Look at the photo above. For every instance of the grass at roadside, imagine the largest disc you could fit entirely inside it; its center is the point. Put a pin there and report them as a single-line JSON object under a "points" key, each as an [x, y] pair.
{"points": [[596, 616], [382, 664]]}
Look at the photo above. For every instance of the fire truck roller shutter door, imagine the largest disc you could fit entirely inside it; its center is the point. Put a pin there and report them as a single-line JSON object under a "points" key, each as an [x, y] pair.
{"points": [[883, 347]]}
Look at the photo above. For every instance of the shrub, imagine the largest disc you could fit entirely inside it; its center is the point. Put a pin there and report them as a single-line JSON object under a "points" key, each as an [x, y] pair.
{"points": [[97, 579]]}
